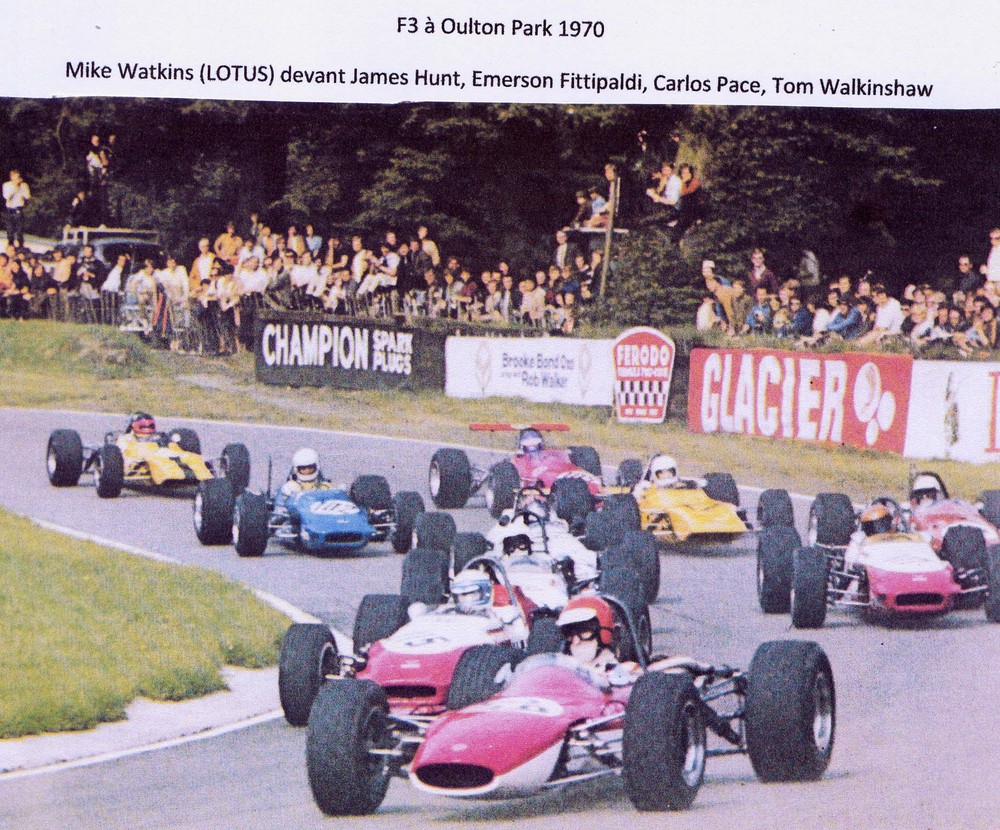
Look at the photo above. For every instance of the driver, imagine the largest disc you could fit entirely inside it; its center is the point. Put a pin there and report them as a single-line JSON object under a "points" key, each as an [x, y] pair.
{"points": [[587, 626], [472, 592], [926, 489], [305, 474], [530, 441], [141, 425], [661, 472], [877, 519]]}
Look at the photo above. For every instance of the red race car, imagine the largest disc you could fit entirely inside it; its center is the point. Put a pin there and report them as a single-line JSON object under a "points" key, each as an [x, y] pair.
{"points": [[576, 470], [556, 722], [933, 512]]}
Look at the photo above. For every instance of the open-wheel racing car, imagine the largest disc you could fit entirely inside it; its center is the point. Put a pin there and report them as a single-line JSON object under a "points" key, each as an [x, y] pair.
{"points": [[683, 510], [327, 518], [141, 457], [932, 511], [874, 560], [453, 479], [556, 722]]}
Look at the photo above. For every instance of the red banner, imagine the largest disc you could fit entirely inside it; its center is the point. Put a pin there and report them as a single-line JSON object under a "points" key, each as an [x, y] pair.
{"points": [[856, 399]]}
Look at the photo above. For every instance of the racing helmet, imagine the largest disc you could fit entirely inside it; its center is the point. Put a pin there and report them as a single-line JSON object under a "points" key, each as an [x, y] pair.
{"points": [[472, 590], [305, 464], [530, 441], [925, 487], [877, 519], [587, 617], [140, 423], [663, 470]]}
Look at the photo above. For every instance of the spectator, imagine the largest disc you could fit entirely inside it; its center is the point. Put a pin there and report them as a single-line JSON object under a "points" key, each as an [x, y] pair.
{"points": [[758, 319], [532, 309], [760, 275], [888, 317], [665, 194], [847, 321], [95, 163], [429, 245], [294, 241], [583, 213], [967, 280], [111, 289], [201, 268], [314, 243], [991, 269], [227, 244], [16, 195], [414, 264], [336, 257], [801, 323], [920, 325], [564, 252], [706, 318], [809, 273], [79, 210], [691, 208]]}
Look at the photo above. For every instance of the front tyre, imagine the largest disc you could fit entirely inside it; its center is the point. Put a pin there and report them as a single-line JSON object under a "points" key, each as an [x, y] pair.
{"points": [[308, 655], [501, 488], [809, 583], [790, 711], [776, 546], [109, 471], [348, 720], [64, 458], [449, 478], [250, 531], [663, 744], [236, 466], [213, 511], [406, 508]]}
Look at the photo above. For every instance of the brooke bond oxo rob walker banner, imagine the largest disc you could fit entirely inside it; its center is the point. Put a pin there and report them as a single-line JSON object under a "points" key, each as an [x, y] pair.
{"points": [[857, 399]]}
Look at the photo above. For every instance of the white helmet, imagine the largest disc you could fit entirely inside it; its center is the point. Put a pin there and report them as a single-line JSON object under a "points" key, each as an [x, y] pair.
{"points": [[305, 464], [926, 486], [663, 470], [472, 590]]}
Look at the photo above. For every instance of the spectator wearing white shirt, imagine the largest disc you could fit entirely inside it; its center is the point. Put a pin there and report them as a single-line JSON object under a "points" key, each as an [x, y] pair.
{"points": [[888, 316], [991, 270], [16, 194]]}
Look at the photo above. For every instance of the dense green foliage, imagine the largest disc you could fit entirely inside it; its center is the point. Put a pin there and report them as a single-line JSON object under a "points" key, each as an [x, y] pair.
{"points": [[901, 192]]}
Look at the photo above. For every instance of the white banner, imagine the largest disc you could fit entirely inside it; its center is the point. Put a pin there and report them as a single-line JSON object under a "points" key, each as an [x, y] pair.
{"points": [[540, 369], [954, 411]]}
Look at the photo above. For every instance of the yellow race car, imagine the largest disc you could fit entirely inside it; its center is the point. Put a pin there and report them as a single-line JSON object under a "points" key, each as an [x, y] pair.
{"points": [[679, 510], [140, 456]]}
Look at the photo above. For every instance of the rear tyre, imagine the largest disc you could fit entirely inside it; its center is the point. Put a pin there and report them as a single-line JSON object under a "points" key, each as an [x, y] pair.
{"points": [[371, 493], [809, 582], [236, 466], [831, 520], [625, 509], [250, 533], [481, 672], [790, 711], [109, 472], [213, 511], [629, 473], [501, 487], [572, 500], [450, 478], [663, 743], [466, 547], [623, 584], [774, 509], [586, 458], [407, 506], [776, 546], [187, 439], [964, 548], [308, 655], [435, 530], [64, 458], [636, 551], [545, 637], [991, 507], [722, 487], [349, 719], [425, 576], [379, 616], [992, 604]]}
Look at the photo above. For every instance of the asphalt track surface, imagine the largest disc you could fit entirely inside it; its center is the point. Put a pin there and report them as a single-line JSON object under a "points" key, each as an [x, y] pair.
{"points": [[918, 720]]}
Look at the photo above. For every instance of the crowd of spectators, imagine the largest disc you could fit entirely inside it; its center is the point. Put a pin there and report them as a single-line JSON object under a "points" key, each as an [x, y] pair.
{"points": [[958, 315]]}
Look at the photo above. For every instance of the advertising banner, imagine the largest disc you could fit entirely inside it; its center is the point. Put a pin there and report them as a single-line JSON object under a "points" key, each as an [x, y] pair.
{"points": [[954, 411], [541, 369], [644, 365], [309, 350], [860, 400]]}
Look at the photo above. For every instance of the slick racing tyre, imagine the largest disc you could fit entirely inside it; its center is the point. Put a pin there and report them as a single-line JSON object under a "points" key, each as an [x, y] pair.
{"points": [[622, 584], [250, 517], [544, 637], [831, 520], [571, 500], [109, 471], [501, 486], [992, 605], [187, 439], [213, 512], [776, 546], [466, 547], [371, 493], [425, 576], [379, 616], [435, 530], [236, 466], [586, 458], [629, 473], [774, 509], [991, 507], [407, 506], [791, 711], [308, 655], [450, 478], [481, 672], [809, 584], [636, 551], [64, 458], [722, 487]]}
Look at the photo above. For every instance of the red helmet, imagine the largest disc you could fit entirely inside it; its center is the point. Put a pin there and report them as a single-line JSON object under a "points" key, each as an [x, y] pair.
{"points": [[588, 613], [140, 423]]}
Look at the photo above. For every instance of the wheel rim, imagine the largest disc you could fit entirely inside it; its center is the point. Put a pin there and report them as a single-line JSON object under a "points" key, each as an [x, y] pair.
{"points": [[197, 511], [50, 462], [813, 531], [328, 661], [97, 473], [760, 578], [822, 694], [373, 736], [490, 496], [434, 480], [236, 524], [693, 736]]}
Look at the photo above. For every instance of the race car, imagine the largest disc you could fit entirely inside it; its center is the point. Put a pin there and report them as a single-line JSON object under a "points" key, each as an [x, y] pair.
{"points": [[453, 479], [555, 722], [412, 645], [876, 562], [142, 457], [932, 511], [327, 519], [681, 510]]}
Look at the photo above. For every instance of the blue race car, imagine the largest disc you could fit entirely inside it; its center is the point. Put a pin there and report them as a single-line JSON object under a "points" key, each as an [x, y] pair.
{"points": [[326, 519]]}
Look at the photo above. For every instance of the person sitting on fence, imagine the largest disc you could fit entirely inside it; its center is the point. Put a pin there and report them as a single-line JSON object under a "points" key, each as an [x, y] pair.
{"points": [[140, 298]]}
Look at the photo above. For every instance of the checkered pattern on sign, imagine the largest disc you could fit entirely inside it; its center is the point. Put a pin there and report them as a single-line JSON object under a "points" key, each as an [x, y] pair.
{"points": [[647, 393]]}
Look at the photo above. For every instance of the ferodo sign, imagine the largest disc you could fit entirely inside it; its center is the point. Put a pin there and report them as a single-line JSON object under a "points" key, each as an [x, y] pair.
{"points": [[856, 399], [644, 365], [298, 350]]}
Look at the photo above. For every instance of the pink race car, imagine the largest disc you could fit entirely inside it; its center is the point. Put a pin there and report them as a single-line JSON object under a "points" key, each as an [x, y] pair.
{"points": [[876, 561], [933, 512], [572, 475], [556, 722]]}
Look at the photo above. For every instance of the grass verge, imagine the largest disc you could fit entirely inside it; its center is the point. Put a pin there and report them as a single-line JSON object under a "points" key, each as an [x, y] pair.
{"points": [[88, 630]]}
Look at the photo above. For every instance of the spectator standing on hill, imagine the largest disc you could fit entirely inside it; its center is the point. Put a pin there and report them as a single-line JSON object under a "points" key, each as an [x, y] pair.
{"points": [[967, 279], [991, 269], [760, 275], [16, 195], [564, 252], [227, 244], [692, 207], [314, 243]]}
